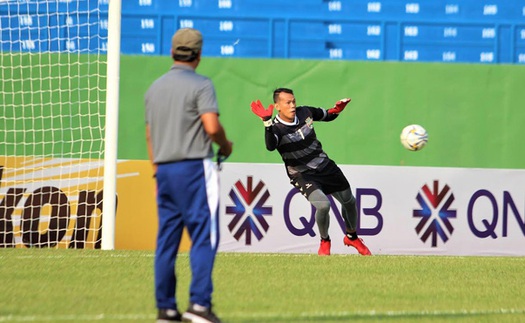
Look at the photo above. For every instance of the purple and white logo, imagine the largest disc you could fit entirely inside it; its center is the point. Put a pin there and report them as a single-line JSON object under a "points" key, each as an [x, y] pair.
{"points": [[435, 213], [248, 210]]}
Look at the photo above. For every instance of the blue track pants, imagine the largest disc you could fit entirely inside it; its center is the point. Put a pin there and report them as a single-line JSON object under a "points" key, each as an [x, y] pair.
{"points": [[187, 196]]}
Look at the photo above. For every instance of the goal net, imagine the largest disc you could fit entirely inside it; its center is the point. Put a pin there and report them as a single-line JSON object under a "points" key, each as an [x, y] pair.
{"points": [[52, 118]]}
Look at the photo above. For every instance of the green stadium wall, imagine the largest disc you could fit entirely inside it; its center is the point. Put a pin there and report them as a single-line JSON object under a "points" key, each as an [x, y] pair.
{"points": [[474, 113]]}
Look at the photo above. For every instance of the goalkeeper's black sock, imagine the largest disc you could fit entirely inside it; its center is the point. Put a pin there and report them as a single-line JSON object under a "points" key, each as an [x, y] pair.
{"points": [[352, 236], [326, 239]]}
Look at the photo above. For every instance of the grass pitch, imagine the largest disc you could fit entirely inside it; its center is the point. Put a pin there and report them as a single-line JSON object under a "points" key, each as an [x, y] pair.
{"points": [[52, 285]]}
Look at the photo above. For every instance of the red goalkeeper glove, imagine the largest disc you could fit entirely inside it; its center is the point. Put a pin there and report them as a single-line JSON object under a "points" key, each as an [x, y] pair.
{"points": [[261, 112], [339, 106]]}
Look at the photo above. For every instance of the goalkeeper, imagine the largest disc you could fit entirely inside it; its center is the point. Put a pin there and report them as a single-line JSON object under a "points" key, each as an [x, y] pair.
{"points": [[309, 168]]}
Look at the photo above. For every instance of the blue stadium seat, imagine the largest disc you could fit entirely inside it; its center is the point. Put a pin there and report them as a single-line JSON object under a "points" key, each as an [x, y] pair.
{"points": [[144, 25], [234, 27], [336, 50], [168, 26], [480, 31], [145, 45], [312, 49], [31, 33], [141, 6], [406, 30], [519, 55], [341, 30], [449, 53], [240, 8], [230, 47], [450, 33], [520, 35], [519, 50], [86, 24], [43, 6]]}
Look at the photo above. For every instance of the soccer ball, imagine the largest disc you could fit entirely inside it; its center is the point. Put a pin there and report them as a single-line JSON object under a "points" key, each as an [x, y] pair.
{"points": [[414, 137]]}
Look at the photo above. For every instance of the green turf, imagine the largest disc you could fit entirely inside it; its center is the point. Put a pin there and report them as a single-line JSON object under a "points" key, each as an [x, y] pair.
{"points": [[117, 286]]}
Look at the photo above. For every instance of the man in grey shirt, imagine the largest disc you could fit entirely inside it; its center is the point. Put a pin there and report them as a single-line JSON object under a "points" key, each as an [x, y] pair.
{"points": [[182, 122]]}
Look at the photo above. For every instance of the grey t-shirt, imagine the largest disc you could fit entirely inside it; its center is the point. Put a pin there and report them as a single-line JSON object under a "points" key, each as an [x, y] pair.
{"points": [[174, 104]]}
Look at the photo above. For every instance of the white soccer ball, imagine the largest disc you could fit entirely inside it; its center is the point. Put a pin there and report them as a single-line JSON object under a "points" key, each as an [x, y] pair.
{"points": [[414, 137]]}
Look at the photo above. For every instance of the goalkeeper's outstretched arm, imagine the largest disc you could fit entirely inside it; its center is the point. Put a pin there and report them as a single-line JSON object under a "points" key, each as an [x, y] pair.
{"points": [[270, 138], [266, 116]]}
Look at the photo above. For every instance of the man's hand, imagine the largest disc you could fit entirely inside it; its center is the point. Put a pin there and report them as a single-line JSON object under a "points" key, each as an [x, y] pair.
{"points": [[261, 112], [339, 106], [225, 150]]}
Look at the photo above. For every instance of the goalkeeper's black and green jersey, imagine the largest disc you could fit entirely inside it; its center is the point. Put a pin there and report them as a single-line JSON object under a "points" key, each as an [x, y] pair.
{"points": [[297, 142]]}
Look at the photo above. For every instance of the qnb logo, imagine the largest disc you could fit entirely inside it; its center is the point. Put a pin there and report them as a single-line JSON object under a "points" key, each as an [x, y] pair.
{"points": [[249, 210], [435, 213]]}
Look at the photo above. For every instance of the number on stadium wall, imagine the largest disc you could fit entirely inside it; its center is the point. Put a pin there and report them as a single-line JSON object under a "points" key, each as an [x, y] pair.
{"points": [[71, 45], [411, 31], [145, 3], [148, 48], [28, 44], [486, 57], [449, 56], [103, 24], [373, 30], [186, 23], [374, 7], [226, 25], [227, 50], [488, 33], [225, 4], [147, 23], [450, 32], [412, 8], [25, 20], [334, 6], [490, 10], [451, 9], [335, 29], [373, 54], [411, 55], [336, 53]]}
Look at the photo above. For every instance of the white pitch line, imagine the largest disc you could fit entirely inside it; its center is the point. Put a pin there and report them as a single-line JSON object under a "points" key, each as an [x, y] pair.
{"points": [[72, 256], [150, 254], [377, 314], [264, 315], [75, 318]]}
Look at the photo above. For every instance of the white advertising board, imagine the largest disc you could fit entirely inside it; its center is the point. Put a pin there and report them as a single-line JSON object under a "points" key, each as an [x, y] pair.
{"points": [[402, 211]]}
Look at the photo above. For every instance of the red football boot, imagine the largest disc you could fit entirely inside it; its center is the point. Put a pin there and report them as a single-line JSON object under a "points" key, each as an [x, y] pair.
{"points": [[358, 244], [324, 248]]}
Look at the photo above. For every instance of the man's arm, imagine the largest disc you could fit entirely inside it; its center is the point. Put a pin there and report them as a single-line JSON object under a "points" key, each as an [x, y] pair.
{"points": [[215, 131], [270, 138], [150, 149]]}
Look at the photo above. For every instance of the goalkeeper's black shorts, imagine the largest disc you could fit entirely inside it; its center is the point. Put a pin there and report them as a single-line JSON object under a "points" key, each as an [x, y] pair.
{"points": [[329, 180]]}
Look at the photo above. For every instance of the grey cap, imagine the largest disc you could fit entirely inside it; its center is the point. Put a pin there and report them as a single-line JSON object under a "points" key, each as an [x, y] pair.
{"points": [[185, 41]]}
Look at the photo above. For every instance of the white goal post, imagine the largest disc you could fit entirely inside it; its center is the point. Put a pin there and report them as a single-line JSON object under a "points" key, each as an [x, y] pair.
{"points": [[59, 74]]}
